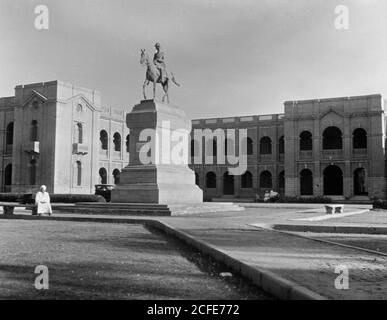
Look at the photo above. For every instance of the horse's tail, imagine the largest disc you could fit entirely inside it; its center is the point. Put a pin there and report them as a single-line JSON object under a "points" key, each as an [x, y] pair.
{"points": [[174, 80]]}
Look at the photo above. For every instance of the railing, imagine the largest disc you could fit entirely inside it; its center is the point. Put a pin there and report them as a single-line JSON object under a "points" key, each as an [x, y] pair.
{"points": [[265, 157], [306, 154], [332, 154], [359, 153]]}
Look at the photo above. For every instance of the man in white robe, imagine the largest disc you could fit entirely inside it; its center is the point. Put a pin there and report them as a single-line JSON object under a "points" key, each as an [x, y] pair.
{"points": [[42, 201]]}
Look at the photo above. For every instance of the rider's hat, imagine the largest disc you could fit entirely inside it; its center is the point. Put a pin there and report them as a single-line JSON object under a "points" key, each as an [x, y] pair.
{"points": [[157, 44]]}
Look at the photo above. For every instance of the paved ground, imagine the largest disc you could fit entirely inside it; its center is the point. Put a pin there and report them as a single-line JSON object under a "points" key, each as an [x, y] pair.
{"points": [[107, 261], [304, 261]]}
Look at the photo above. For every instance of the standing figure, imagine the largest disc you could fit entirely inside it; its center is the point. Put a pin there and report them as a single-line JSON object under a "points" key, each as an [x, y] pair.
{"points": [[42, 202]]}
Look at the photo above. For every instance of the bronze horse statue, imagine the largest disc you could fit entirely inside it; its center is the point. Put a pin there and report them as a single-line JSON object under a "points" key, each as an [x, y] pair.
{"points": [[153, 75]]}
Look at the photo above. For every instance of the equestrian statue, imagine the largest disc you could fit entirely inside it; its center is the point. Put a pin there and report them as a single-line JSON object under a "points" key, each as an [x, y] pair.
{"points": [[156, 72]]}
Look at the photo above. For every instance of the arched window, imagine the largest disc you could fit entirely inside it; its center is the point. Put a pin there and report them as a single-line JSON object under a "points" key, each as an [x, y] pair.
{"points": [[281, 145], [265, 145], [103, 176], [229, 146], [306, 141], [306, 182], [211, 180], [9, 134], [116, 176], [103, 137], [127, 142], [332, 138], [33, 165], [249, 147], [80, 132], [34, 131], [265, 179], [247, 180], [117, 141], [214, 147], [79, 173], [281, 180], [359, 140], [8, 176]]}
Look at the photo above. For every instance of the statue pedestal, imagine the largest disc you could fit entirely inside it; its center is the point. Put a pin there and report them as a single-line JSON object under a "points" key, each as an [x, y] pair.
{"points": [[160, 175]]}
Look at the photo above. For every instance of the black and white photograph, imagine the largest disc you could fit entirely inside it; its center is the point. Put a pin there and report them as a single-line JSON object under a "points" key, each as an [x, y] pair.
{"points": [[196, 158]]}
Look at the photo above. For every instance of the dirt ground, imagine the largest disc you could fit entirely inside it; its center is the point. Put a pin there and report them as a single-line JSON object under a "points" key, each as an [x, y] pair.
{"points": [[108, 261]]}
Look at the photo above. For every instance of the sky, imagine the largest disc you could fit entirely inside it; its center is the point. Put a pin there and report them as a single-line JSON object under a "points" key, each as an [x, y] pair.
{"points": [[232, 57]]}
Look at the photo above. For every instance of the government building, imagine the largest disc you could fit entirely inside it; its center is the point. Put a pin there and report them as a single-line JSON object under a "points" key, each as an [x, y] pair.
{"points": [[60, 135]]}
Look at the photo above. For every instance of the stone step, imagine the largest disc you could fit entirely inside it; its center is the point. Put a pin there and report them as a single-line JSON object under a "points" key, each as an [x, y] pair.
{"points": [[148, 209]]}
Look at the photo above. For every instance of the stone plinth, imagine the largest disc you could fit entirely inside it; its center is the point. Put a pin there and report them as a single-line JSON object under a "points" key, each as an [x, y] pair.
{"points": [[158, 169]]}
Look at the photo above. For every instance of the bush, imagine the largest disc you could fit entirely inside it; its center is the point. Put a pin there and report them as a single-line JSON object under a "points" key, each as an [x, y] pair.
{"points": [[11, 197], [379, 204], [305, 200], [73, 198]]}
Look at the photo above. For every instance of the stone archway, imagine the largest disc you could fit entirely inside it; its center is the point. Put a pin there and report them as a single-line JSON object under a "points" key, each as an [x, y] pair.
{"points": [[333, 181], [228, 184]]}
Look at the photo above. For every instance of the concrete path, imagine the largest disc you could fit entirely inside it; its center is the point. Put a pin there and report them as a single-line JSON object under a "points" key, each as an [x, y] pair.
{"points": [[286, 265]]}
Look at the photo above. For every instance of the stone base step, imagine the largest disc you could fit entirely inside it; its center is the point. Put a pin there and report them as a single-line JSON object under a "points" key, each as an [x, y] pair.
{"points": [[233, 199], [148, 209]]}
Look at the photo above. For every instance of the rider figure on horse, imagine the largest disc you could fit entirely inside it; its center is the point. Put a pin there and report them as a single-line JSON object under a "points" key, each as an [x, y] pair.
{"points": [[158, 60]]}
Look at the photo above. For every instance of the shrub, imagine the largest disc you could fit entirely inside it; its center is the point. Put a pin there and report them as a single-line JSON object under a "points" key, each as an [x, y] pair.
{"points": [[73, 198], [305, 200], [379, 204], [11, 197]]}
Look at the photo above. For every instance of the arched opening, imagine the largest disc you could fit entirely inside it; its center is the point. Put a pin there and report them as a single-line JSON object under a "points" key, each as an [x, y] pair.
{"points": [[332, 138], [333, 181], [102, 176], [265, 145], [196, 178], [117, 141], [228, 184], [306, 182], [80, 132], [306, 141], [249, 146], [359, 182], [281, 145], [79, 173], [265, 180], [210, 180], [9, 134], [127, 142], [359, 139], [33, 165], [116, 176], [103, 138], [34, 131], [8, 178], [247, 180], [281, 180]]}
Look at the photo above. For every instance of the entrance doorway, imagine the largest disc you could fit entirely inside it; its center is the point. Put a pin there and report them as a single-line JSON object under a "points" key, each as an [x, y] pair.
{"points": [[359, 182], [228, 184], [333, 181]]}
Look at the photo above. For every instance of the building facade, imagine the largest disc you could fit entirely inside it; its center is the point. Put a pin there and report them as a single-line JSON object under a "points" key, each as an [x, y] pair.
{"points": [[60, 135], [323, 147]]}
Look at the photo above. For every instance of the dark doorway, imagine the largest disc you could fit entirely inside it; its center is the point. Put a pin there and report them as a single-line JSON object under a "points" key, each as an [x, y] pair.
{"points": [[359, 182], [228, 184], [333, 181], [306, 182]]}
